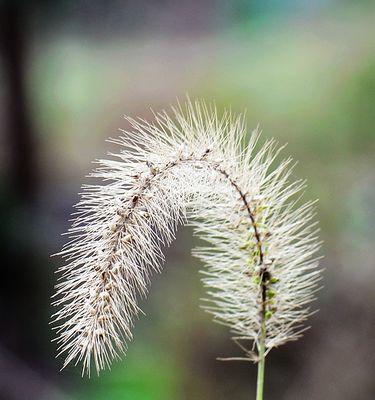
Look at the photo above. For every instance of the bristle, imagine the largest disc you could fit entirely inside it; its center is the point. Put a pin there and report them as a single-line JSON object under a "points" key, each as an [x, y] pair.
{"points": [[190, 167]]}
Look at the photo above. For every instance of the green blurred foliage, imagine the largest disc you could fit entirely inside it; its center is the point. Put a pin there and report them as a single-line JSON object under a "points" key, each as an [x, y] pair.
{"points": [[145, 376]]}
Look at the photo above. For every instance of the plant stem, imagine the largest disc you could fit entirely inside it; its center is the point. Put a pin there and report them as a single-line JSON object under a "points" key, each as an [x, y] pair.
{"points": [[261, 363]]}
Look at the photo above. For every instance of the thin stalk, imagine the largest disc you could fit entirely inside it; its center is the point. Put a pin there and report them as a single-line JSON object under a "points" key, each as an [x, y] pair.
{"points": [[261, 363]]}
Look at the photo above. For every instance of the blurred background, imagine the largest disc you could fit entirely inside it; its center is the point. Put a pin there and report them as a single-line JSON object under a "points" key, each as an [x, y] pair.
{"points": [[304, 70]]}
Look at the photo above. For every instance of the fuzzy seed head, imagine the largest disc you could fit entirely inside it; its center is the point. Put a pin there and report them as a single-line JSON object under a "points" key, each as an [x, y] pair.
{"points": [[191, 167]]}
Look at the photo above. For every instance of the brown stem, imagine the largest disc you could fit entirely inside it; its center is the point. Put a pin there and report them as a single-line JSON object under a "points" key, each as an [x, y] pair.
{"points": [[154, 174]]}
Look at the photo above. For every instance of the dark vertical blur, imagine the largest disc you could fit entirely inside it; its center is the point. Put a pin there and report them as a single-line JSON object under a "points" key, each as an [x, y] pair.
{"points": [[15, 45], [21, 283]]}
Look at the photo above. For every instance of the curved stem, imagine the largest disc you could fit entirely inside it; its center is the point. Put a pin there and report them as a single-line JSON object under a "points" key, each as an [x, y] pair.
{"points": [[154, 173], [261, 363]]}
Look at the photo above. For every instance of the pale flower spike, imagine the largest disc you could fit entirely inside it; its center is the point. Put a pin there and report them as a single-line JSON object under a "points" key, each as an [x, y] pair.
{"points": [[260, 266]]}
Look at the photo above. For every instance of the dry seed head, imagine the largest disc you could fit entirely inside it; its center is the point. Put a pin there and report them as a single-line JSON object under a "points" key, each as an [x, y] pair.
{"points": [[190, 166]]}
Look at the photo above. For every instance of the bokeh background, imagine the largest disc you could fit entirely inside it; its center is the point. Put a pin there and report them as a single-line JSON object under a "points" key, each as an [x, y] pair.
{"points": [[304, 70]]}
